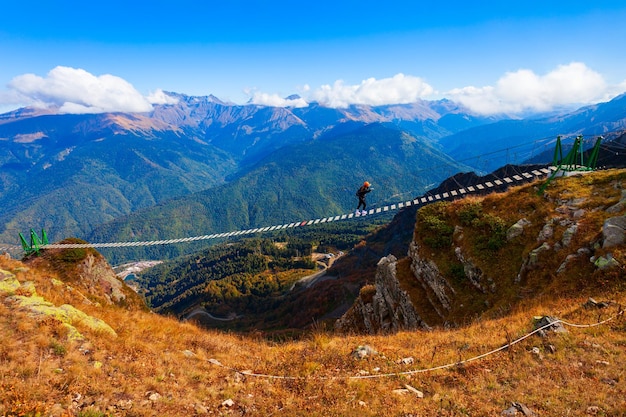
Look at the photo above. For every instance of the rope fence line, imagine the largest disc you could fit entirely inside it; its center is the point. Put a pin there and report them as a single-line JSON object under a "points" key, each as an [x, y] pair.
{"points": [[425, 199], [424, 370]]}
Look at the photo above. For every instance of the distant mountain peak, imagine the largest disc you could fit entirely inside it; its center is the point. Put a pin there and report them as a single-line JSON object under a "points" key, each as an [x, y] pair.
{"points": [[197, 99], [26, 112]]}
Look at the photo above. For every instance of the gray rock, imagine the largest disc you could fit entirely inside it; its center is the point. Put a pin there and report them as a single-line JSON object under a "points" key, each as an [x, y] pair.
{"points": [[568, 259], [154, 396], [533, 256], [517, 229], [509, 412], [362, 352], [472, 272], [592, 303], [430, 278], [386, 309], [619, 206], [523, 409], [593, 410], [604, 262], [414, 390], [579, 213], [545, 321], [569, 234], [100, 279], [546, 233], [614, 232], [516, 408]]}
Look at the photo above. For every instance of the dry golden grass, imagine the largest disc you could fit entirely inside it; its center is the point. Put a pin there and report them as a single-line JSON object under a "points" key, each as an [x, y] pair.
{"points": [[157, 366], [570, 373]]}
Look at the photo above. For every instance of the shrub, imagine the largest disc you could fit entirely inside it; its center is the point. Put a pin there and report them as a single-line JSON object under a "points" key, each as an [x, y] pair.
{"points": [[73, 255], [367, 293], [493, 232], [457, 272], [433, 226], [58, 348], [469, 212]]}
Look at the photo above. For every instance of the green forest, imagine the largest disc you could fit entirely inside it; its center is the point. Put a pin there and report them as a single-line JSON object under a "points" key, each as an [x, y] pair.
{"points": [[250, 276]]}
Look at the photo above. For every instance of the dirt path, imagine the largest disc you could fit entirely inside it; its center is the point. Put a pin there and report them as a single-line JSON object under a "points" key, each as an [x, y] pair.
{"points": [[201, 311]]}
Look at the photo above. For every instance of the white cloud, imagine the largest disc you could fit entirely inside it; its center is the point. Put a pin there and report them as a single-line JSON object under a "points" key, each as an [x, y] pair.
{"points": [[615, 91], [523, 90], [161, 97], [395, 90], [10, 100], [275, 100], [77, 91]]}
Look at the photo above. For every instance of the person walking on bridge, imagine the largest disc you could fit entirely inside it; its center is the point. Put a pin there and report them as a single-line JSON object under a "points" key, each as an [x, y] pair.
{"points": [[365, 188]]}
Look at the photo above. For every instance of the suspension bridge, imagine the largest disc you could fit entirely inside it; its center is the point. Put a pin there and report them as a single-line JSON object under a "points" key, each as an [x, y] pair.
{"points": [[573, 161], [37, 243]]}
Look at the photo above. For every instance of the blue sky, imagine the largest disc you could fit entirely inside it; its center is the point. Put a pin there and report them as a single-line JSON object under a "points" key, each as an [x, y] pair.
{"points": [[492, 56]]}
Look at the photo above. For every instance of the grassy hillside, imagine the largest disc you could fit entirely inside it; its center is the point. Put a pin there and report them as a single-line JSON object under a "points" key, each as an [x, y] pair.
{"points": [[154, 365], [489, 271]]}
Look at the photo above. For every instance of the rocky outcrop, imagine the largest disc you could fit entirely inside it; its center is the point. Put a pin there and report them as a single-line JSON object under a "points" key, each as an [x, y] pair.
{"points": [[87, 272], [619, 206], [437, 288], [383, 307], [23, 295], [463, 277], [97, 276], [517, 229], [472, 272], [569, 234]]}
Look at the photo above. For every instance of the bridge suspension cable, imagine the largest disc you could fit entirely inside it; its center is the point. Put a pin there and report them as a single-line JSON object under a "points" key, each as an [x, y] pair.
{"points": [[423, 200]]}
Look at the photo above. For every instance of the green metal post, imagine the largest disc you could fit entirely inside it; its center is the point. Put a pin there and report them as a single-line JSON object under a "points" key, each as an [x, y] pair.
{"points": [[34, 241], [558, 152], [593, 157], [27, 248], [580, 150]]}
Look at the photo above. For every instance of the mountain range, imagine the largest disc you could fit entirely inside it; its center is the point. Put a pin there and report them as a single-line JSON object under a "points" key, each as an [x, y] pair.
{"points": [[527, 138], [215, 166]]}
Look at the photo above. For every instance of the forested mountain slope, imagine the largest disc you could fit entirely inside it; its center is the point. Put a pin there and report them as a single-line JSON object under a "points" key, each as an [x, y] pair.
{"points": [[315, 179]]}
